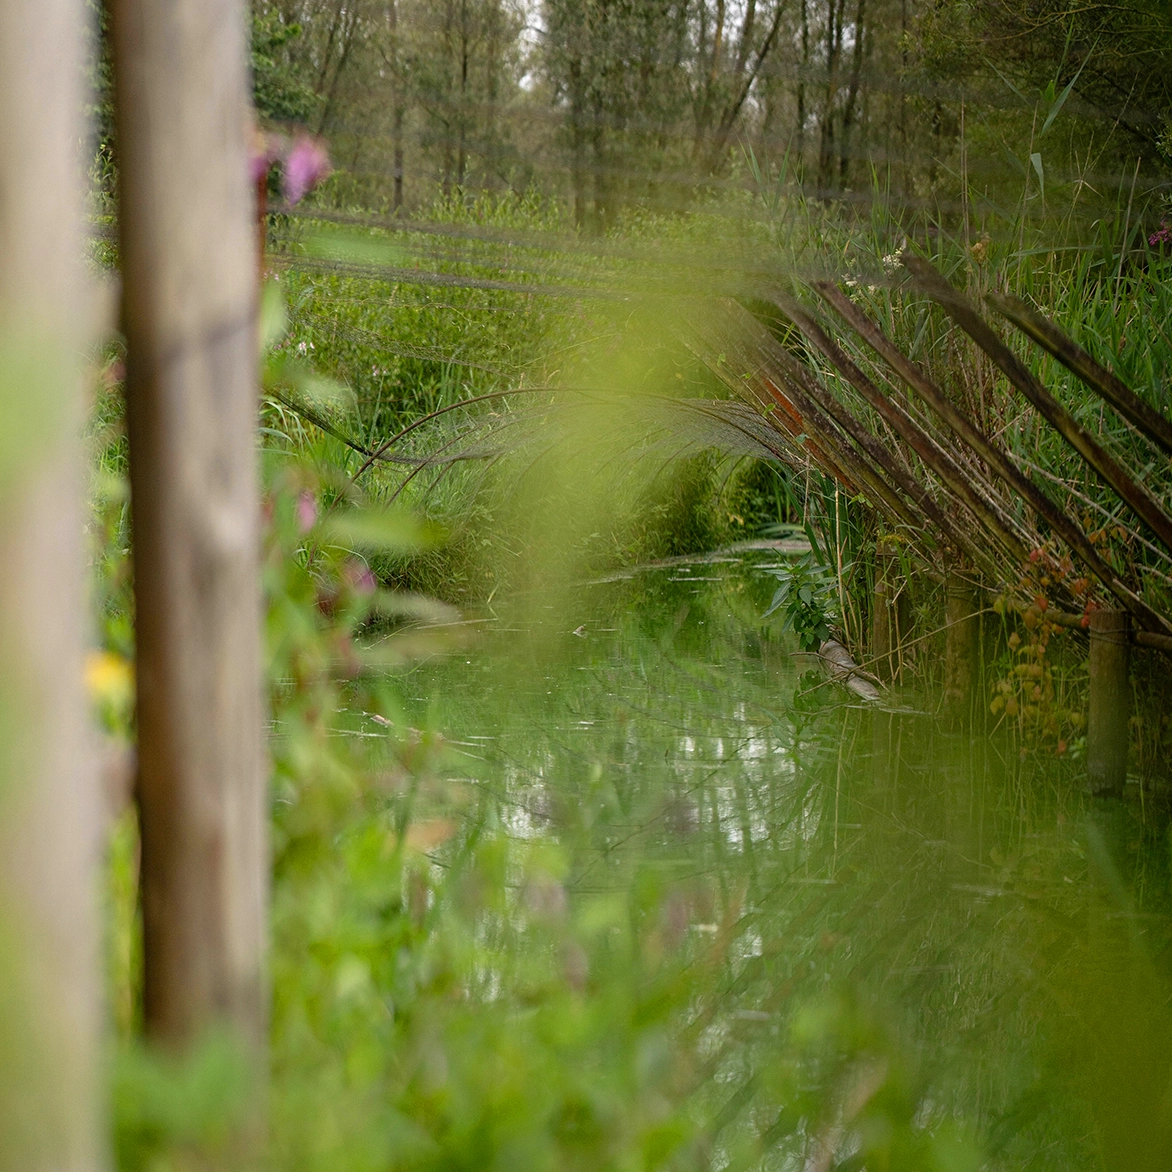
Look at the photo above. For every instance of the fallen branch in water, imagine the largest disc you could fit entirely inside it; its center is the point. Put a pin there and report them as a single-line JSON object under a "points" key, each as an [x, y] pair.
{"points": [[843, 670]]}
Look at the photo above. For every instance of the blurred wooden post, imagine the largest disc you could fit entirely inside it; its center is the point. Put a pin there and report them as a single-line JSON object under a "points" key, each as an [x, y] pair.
{"points": [[889, 612], [188, 250], [1110, 701], [961, 645], [50, 806]]}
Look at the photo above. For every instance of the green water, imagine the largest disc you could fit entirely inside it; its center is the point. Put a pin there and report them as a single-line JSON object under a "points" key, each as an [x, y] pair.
{"points": [[705, 910]]}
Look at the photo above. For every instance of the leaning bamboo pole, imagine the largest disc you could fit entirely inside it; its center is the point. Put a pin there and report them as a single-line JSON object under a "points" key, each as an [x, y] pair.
{"points": [[188, 254], [954, 478], [50, 807], [964, 313], [729, 341], [997, 460], [1105, 383]]}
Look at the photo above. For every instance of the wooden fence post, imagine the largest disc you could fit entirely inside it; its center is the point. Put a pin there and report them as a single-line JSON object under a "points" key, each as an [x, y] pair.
{"points": [[961, 645], [51, 815], [1110, 701], [889, 616], [188, 253]]}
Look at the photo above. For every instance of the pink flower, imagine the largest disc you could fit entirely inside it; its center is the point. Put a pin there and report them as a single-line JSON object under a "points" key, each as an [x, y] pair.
{"points": [[360, 578], [306, 165], [1163, 236], [306, 512]]}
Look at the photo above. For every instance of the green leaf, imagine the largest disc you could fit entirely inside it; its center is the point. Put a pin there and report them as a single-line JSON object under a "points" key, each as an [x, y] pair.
{"points": [[274, 320], [1007, 81], [1056, 108], [380, 531], [1036, 160], [779, 597]]}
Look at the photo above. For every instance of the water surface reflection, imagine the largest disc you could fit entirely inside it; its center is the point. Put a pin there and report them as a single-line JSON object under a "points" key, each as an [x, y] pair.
{"points": [[885, 945]]}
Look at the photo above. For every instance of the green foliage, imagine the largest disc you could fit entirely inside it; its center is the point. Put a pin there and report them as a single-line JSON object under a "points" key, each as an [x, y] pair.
{"points": [[169, 1109], [807, 598], [280, 91]]}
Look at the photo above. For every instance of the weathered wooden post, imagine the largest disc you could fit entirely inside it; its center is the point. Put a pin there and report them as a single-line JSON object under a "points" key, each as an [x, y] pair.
{"points": [[51, 815], [889, 616], [188, 253], [961, 645], [1110, 701]]}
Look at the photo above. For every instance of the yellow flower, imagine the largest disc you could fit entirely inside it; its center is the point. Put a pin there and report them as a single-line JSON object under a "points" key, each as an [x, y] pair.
{"points": [[109, 678]]}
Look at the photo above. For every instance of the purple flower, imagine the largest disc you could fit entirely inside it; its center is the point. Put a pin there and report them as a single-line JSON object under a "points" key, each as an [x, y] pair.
{"points": [[1163, 236], [360, 578], [306, 165], [306, 512]]}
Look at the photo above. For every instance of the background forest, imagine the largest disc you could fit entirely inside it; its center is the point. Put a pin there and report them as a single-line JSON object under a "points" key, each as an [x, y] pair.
{"points": [[614, 103]]}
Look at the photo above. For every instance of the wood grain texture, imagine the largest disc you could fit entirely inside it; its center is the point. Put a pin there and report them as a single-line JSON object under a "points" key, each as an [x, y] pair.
{"points": [[189, 309]]}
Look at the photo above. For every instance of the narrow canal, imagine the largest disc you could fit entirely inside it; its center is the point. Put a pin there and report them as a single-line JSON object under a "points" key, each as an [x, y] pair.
{"points": [[775, 923]]}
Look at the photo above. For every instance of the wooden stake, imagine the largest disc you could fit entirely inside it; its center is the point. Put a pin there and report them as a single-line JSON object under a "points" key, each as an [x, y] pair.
{"points": [[1110, 701], [50, 801], [889, 616], [961, 646], [188, 249]]}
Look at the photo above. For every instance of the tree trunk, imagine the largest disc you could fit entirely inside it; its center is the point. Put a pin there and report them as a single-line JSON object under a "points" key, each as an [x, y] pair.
{"points": [[50, 807], [826, 151], [852, 96], [601, 187], [398, 155], [190, 317], [462, 143], [905, 163], [576, 88], [800, 137], [394, 64], [745, 81]]}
